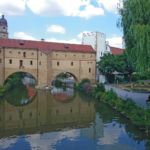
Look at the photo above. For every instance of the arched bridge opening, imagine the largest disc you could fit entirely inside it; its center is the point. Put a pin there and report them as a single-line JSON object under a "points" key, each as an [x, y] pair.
{"points": [[20, 88], [66, 78]]}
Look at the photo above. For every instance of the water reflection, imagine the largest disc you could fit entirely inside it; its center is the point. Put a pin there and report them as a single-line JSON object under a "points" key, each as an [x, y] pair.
{"points": [[44, 114], [63, 95], [22, 93], [48, 123]]}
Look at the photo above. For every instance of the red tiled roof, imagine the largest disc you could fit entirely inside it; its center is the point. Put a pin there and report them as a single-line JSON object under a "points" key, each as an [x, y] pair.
{"points": [[116, 51], [45, 47]]}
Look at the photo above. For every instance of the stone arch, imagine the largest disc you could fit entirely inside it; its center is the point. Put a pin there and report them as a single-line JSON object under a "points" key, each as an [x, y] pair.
{"points": [[75, 78], [68, 72], [58, 73], [8, 74]]}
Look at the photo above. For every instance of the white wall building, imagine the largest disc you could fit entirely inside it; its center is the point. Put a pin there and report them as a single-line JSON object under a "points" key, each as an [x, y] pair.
{"points": [[98, 41]]}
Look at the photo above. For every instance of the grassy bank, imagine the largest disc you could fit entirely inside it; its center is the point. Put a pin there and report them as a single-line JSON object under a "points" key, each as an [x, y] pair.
{"points": [[137, 115], [127, 108]]}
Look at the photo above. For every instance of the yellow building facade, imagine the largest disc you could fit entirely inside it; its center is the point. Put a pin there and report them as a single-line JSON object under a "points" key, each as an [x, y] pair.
{"points": [[45, 65], [44, 60]]}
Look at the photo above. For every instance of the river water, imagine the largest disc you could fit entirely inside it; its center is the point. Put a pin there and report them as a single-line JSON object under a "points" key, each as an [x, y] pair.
{"points": [[64, 120]]}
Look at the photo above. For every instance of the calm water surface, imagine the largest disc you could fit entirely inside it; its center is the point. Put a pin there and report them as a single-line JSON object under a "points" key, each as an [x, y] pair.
{"points": [[63, 120]]}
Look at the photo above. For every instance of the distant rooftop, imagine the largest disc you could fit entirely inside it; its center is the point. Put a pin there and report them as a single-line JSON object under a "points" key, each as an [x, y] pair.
{"points": [[116, 51]]}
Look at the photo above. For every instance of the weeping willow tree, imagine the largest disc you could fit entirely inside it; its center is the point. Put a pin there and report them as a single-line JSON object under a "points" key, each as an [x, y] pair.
{"points": [[135, 21]]}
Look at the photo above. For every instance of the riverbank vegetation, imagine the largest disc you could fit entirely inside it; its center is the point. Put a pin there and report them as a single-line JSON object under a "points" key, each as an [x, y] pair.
{"points": [[127, 108]]}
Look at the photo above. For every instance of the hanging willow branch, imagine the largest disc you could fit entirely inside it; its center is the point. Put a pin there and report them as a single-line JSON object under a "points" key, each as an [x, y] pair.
{"points": [[135, 22]]}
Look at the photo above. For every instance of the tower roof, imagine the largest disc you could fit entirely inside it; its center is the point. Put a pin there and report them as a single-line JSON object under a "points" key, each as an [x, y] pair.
{"points": [[3, 21]]}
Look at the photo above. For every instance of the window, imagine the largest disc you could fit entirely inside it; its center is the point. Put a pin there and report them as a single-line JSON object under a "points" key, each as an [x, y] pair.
{"points": [[18, 52], [31, 62], [41, 53], [89, 70], [57, 63], [10, 52], [32, 53], [10, 61], [0, 51], [24, 54], [0, 60], [21, 63], [71, 63], [39, 62]]}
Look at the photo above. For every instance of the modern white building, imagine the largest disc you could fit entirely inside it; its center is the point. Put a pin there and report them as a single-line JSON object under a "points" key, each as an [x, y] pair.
{"points": [[98, 41]]}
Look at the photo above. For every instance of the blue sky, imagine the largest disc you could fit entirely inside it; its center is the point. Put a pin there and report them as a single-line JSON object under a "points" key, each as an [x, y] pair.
{"points": [[61, 20]]}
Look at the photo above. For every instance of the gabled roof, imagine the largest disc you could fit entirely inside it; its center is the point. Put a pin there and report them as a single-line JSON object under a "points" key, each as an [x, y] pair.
{"points": [[116, 51], [45, 47]]}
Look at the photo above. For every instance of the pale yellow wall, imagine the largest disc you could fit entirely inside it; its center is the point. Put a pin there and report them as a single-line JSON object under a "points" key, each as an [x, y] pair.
{"points": [[1, 66], [42, 69], [81, 64], [15, 55], [44, 66]]}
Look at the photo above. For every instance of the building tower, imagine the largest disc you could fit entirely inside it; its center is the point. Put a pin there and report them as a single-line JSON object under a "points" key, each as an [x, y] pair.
{"points": [[3, 28], [98, 41]]}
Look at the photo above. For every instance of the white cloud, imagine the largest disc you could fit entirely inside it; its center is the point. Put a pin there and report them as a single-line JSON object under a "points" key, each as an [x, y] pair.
{"points": [[49, 140], [111, 136], [76, 40], [23, 35], [80, 8], [56, 29], [115, 41], [91, 11], [109, 5], [73, 41], [12, 7]]}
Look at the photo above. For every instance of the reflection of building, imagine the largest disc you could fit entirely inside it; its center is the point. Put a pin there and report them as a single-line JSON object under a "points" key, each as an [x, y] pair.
{"points": [[45, 60], [46, 114]]}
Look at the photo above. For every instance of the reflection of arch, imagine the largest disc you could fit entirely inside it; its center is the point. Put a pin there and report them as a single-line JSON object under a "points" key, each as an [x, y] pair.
{"points": [[28, 73], [63, 96]]}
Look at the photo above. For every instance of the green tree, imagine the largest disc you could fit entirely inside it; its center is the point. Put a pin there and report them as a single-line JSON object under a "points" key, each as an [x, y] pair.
{"points": [[110, 63], [135, 22]]}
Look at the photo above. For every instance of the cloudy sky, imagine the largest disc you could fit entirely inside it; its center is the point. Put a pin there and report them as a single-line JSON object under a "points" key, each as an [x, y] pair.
{"points": [[61, 20]]}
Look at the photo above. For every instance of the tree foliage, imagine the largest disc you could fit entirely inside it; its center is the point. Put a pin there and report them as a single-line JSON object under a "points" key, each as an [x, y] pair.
{"points": [[110, 63], [135, 22]]}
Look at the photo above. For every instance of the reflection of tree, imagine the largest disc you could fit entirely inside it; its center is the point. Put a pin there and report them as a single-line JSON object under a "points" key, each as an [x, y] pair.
{"points": [[15, 95], [108, 115]]}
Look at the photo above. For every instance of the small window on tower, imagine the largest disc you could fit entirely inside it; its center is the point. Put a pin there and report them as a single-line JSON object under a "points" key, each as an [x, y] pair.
{"points": [[10, 61], [58, 63], [89, 70], [31, 62]]}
